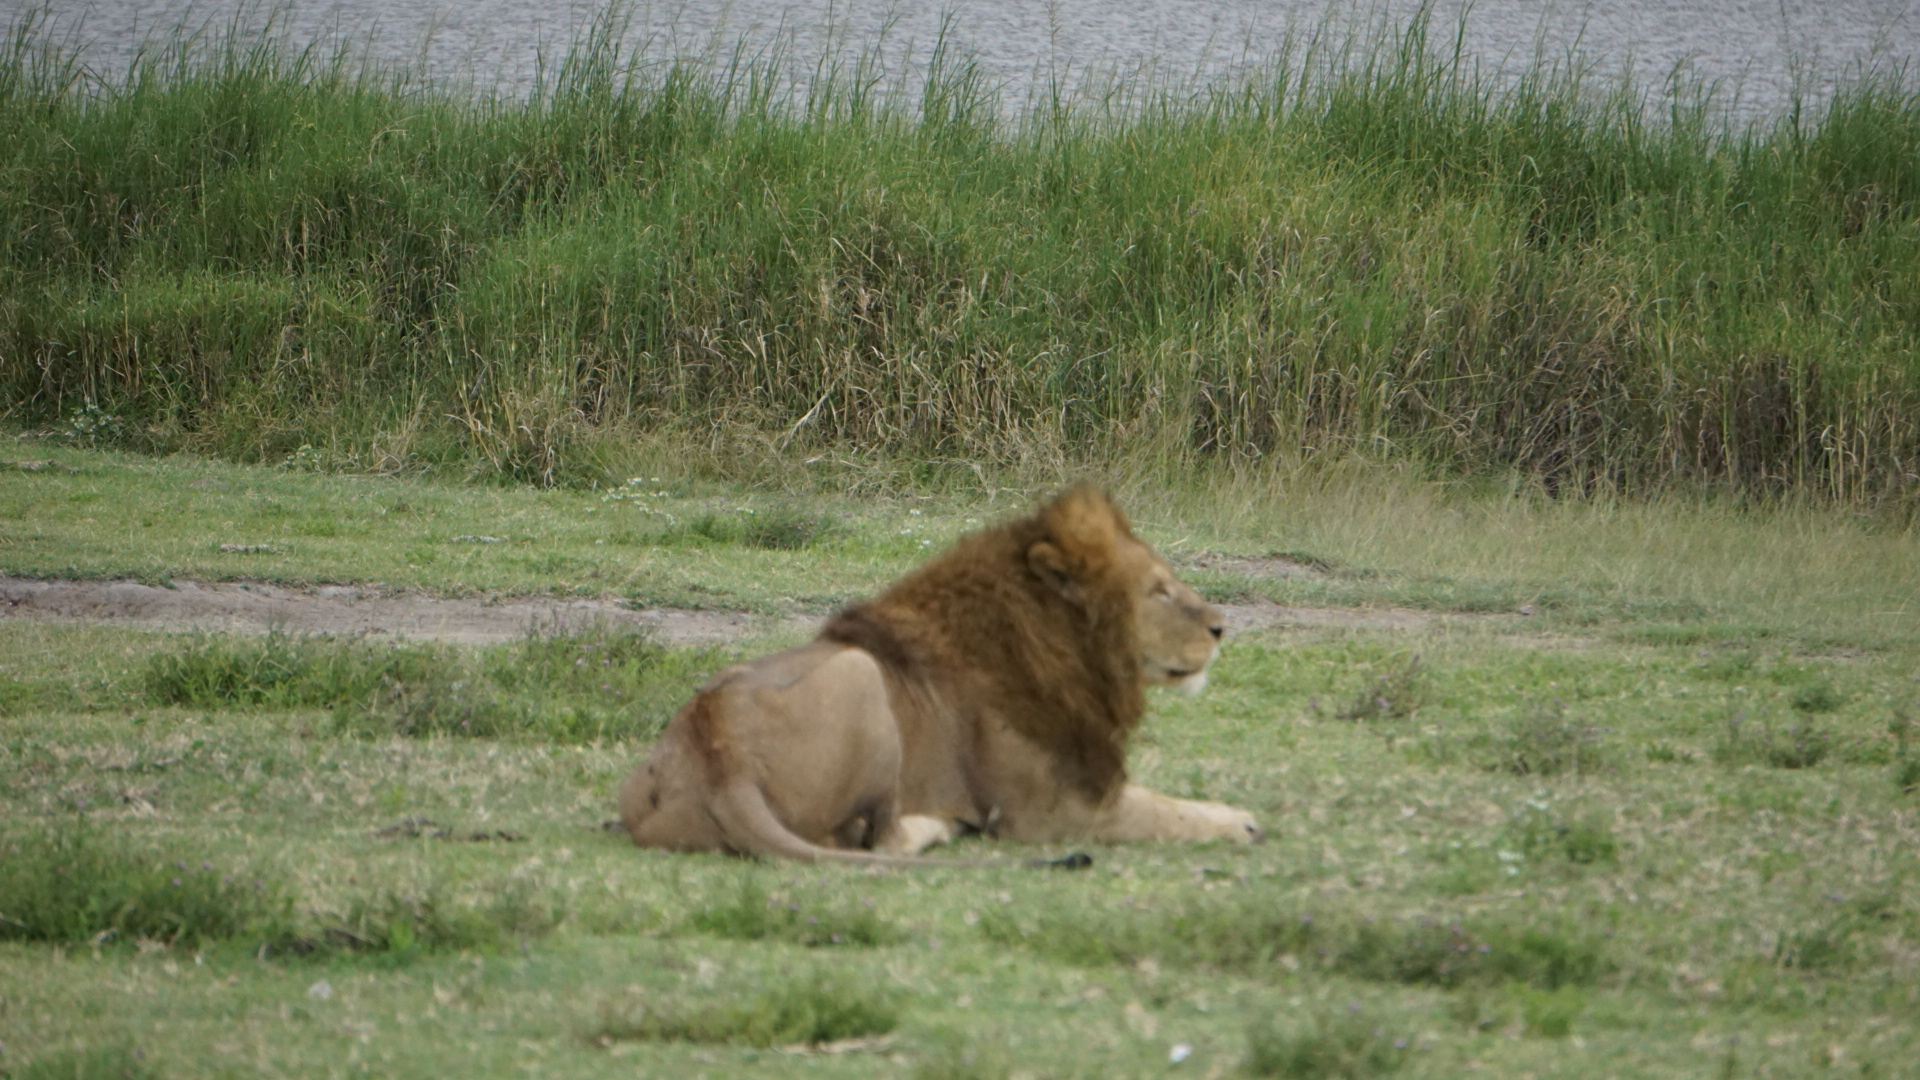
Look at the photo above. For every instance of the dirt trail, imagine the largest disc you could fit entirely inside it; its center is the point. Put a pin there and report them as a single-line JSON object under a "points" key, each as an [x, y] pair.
{"points": [[246, 607]]}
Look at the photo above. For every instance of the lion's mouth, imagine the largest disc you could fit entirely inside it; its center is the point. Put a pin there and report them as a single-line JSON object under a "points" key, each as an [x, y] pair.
{"points": [[1193, 684], [1189, 681]]}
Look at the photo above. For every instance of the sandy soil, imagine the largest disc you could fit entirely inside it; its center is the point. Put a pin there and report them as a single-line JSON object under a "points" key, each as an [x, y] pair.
{"points": [[246, 607]]}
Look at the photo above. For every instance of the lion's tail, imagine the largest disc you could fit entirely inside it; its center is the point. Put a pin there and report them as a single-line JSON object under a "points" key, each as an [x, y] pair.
{"points": [[752, 828]]}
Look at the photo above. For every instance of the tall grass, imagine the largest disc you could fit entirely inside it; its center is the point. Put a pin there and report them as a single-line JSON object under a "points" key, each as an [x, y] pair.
{"points": [[72, 883], [1366, 248]]}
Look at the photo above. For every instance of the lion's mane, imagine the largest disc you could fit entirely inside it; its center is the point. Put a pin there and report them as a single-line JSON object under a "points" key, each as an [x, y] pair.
{"points": [[1057, 659]]}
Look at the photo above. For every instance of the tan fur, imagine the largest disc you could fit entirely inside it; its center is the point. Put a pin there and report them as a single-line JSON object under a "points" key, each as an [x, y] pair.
{"points": [[993, 690]]}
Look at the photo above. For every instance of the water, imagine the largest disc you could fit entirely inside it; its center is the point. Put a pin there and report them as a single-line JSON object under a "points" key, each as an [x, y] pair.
{"points": [[1757, 52]]}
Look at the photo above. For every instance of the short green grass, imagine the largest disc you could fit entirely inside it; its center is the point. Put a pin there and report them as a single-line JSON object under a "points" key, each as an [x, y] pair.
{"points": [[1661, 827]]}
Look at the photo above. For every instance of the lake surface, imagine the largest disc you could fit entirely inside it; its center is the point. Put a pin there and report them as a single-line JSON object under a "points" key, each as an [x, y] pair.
{"points": [[1757, 52]]}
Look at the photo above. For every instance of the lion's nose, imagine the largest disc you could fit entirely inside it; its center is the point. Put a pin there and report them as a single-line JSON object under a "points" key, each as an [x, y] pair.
{"points": [[1217, 631]]}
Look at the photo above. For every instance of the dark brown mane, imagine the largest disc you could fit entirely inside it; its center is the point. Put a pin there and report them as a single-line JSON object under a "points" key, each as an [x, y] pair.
{"points": [[984, 629]]}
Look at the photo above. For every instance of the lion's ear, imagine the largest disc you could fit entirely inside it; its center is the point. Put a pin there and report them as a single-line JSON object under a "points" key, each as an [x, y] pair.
{"points": [[1048, 562]]}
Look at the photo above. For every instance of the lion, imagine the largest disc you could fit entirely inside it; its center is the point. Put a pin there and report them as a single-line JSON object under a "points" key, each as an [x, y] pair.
{"points": [[991, 691]]}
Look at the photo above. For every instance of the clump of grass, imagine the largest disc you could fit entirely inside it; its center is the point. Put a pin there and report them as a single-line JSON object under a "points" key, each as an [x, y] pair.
{"points": [[779, 527], [1734, 666], [565, 684], [20, 696], [958, 1057], [1746, 740], [820, 1009], [1550, 1014], [1906, 775], [116, 1062], [1666, 753], [284, 671], [399, 924], [1539, 832], [72, 882], [1546, 741], [397, 689], [439, 696], [1395, 695], [1262, 940], [787, 527], [1825, 946], [1347, 1043], [1817, 697], [1457, 954], [753, 915]]}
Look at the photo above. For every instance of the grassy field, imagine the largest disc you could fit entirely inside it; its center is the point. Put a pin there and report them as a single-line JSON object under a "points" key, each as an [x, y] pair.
{"points": [[1663, 827], [1363, 248], [1620, 403]]}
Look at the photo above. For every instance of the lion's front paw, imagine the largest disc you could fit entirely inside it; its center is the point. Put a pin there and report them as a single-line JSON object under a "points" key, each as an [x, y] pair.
{"points": [[1241, 827], [1223, 822]]}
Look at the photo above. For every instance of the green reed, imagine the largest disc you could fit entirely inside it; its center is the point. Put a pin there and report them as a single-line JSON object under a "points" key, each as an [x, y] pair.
{"points": [[1365, 248]]}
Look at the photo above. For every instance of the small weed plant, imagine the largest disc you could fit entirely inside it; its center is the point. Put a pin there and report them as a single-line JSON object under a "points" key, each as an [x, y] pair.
{"points": [[1546, 741], [1666, 753], [1345, 1043], [92, 426], [1906, 765], [1395, 695], [1539, 832]]}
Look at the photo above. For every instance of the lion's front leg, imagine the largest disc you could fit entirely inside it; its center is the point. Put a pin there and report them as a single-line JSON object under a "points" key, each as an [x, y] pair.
{"points": [[1139, 814]]}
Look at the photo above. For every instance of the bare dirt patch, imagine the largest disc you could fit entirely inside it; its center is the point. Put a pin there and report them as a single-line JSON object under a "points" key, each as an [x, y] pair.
{"points": [[343, 610]]}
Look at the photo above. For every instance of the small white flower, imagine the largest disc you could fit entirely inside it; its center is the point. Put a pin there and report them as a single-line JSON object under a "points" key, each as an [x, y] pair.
{"points": [[1181, 1052]]}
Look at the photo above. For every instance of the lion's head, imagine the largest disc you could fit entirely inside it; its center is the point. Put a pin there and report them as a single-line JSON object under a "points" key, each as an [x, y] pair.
{"points": [[1092, 549], [1179, 631]]}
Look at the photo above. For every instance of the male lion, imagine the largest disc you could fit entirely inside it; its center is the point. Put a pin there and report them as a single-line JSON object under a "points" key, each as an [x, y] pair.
{"points": [[993, 691]]}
